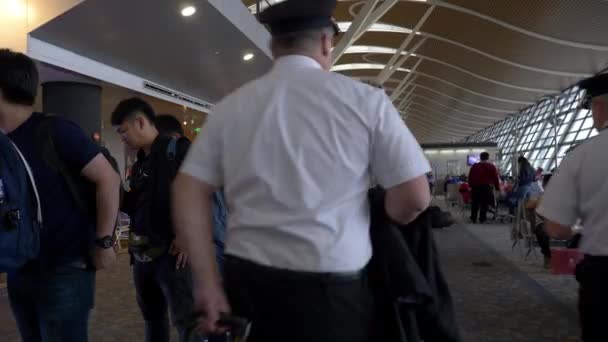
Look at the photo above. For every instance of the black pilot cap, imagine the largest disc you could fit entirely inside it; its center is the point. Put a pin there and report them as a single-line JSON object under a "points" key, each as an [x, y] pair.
{"points": [[299, 15], [595, 86]]}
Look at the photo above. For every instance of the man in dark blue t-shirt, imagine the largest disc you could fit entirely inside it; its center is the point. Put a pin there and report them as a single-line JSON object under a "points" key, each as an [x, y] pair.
{"points": [[51, 296]]}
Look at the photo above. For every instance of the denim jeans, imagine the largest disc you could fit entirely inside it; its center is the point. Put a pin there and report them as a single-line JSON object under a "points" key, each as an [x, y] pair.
{"points": [[52, 305]]}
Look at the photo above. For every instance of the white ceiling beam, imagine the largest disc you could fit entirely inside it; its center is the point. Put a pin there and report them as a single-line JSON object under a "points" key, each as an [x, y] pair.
{"points": [[385, 75], [431, 116], [406, 30], [519, 29], [451, 117], [470, 91], [404, 45], [439, 127], [478, 76], [407, 97], [436, 127], [376, 15], [504, 111], [349, 37], [476, 116], [407, 80]]}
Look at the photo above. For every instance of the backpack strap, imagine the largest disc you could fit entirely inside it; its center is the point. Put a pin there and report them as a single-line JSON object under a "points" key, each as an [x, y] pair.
{"points": [[33, 183], [44, 136], [172, 150]]}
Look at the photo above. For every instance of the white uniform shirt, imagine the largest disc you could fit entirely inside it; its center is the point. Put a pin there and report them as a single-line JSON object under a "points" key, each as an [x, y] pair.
{"points": [[295, 151], [580, 190]]}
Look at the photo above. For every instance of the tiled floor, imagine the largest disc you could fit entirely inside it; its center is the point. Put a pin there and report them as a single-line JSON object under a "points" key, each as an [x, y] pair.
{"points": [[497, 296]]}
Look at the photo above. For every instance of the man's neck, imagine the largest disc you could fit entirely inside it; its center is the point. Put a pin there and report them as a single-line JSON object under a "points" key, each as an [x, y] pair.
{"points": [[13, 117], [148, 148]]}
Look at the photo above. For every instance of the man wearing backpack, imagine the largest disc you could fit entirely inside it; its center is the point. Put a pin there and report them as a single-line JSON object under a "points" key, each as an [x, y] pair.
{"points": [[51, 295], [162, 278], [169, 125]]}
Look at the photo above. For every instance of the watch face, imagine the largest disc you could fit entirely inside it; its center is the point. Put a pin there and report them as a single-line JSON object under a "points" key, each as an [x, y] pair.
{"points": [[105, 242]]}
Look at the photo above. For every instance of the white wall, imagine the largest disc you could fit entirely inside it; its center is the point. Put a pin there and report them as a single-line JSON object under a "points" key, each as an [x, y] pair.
{"points": [[19, 17], [455, 159]]}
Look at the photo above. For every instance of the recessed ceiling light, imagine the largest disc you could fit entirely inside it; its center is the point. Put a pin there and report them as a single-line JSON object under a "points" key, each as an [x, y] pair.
{"points": [[188, 11], [248, 56]]}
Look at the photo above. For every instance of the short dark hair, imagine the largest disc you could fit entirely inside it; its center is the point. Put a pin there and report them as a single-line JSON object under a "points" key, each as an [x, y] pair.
{"points": [[18, 78], [484, 156], [128, 107], [296, 41], [167, 124]]}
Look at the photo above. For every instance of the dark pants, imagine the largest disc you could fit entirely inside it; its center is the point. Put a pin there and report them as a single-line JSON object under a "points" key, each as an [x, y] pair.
{"points": [[592, 275], [544, 241], [159, 286], [482, 197], [299, 307], [52, 305]]}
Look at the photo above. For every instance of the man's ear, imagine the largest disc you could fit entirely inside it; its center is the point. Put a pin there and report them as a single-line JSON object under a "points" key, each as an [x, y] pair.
{"points": [[140, 121], [327, 40]]}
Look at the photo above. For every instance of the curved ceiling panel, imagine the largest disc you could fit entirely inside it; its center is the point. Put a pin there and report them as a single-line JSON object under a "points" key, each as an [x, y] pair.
{"points": [[472, 62]]}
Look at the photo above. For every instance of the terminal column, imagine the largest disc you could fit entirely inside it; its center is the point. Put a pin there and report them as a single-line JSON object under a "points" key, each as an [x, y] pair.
{"points": [[77, 101]]}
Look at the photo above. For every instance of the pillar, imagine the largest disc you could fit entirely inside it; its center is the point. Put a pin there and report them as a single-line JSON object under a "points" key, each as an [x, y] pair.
{"points": [[76, 101]]}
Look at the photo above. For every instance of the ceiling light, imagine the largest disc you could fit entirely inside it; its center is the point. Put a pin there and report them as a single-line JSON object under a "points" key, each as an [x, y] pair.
{"points": [[185, 123], [13, 8], [248, 56], [188, 11]]}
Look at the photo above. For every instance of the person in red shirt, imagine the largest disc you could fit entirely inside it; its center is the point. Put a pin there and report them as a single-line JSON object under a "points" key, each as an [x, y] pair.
{"points": [[482, 178]]}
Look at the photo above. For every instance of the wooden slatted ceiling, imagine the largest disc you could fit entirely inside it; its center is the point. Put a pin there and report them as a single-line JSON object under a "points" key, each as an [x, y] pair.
{"points": [[480, 65]]}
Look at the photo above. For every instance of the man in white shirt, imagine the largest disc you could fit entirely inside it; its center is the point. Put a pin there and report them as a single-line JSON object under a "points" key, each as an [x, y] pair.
{"points": [[579, 190], [295, 151]]}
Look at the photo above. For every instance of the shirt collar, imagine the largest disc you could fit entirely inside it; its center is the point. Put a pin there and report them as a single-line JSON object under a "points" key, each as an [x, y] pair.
{"points": [[296, 61]]}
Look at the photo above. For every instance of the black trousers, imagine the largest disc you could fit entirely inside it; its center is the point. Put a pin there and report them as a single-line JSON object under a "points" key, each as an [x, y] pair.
{"points": [[592, 275], [160, 288], [544, 241], [299, 307], [482, 197]]}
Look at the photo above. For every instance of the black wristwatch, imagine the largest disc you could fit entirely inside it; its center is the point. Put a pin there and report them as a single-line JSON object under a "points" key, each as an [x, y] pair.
{"points": [[104, 242]]}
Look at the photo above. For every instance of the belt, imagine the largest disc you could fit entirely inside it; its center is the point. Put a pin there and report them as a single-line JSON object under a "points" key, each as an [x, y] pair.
{"points": [[272, 272], [143, 250]]}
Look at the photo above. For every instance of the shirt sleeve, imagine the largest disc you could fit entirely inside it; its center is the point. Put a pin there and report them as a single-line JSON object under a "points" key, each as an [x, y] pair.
{"points": [[73, 146], [560, 200], [204, 160], [396, 156]]}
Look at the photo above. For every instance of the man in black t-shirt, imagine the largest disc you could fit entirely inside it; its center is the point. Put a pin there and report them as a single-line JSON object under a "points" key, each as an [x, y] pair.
{"points": [[162, 278], [51, 296]]}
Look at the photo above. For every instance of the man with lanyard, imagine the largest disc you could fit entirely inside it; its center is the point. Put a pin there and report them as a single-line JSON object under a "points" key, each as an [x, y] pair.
{"points": [[579, 190], [160, 271], [296, 151]]}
